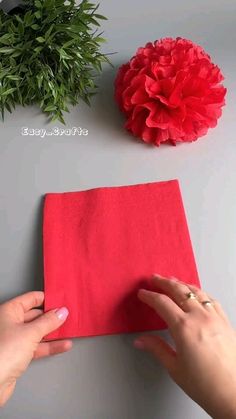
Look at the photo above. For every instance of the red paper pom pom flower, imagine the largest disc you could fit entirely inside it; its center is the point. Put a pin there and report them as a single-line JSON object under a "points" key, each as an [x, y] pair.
{"points": [[170, 91]]}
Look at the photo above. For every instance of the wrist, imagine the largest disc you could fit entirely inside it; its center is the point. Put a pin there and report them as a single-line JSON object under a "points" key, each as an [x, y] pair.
{"points": [[221, 402]]}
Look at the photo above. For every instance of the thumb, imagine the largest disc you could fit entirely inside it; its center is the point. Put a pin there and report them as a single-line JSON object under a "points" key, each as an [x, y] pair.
{"points": [[159, 348], [48, 322]]}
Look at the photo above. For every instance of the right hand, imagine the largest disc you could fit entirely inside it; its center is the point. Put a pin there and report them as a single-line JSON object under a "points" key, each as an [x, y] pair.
{"points": [[203, 362]]}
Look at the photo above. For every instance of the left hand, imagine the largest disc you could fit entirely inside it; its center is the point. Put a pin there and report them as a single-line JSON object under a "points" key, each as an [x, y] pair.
{"points": [[22, 328]]}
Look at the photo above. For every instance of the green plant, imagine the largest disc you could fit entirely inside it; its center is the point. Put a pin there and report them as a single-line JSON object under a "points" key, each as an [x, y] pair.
{"points": [[50, 55]]}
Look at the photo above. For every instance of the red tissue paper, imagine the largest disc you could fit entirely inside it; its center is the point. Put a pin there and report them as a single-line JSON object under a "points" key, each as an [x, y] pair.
{"points": [[102, 245], [170, 91]]}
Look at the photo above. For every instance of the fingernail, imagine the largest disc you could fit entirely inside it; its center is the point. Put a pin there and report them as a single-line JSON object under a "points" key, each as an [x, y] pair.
{"points": [[139, 344], [62, 313]]}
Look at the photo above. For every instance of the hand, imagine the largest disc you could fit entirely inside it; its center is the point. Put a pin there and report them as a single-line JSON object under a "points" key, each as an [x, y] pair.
{"points": [[203, 362], [22, 328]]}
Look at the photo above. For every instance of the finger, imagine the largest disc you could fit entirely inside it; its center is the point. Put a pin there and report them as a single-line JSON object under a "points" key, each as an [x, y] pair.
{"points": [[6, 392], [215, 304], [177, 291], [159, 348], [218, 308], [201, 295], [32, 314], [27, 301], [163, 305], [52, 348], [48, 322]]}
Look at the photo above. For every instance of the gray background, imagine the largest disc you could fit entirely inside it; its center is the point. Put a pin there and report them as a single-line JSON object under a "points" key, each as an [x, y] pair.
{"points": [[104, 377]]}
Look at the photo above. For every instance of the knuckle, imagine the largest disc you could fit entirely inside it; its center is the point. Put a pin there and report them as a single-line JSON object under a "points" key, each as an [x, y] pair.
{"points": [[8, 306], [50, 318], [182, 323], [34, 300], [37, 331], [47, 322], [158, 301], [195, 289], [203, 316], [207, 317], [13, 309], [174, 279], [217, 304], [159, 298], [175, 284]]}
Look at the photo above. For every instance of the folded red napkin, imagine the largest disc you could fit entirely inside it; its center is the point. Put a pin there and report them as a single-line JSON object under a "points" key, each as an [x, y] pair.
{"points": [[102, 245]]}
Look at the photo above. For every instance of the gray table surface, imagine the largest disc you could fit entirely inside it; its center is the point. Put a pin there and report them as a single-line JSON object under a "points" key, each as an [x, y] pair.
{"points": [[105, 377]]}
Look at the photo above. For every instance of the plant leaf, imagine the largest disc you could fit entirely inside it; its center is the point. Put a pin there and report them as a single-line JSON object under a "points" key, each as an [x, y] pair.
{"points": [[40, 39], [8, 92], [50, 55]]}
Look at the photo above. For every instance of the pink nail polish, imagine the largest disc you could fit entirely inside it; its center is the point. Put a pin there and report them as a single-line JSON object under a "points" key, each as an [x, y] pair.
{"points": [[62, 313], [139, 344]]}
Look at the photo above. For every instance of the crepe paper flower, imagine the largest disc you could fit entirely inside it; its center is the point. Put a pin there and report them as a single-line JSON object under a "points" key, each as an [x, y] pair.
{"points": [[171, 91]]}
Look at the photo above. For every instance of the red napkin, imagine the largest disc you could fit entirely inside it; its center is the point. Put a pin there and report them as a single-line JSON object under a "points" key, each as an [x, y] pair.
{"points": [[102, 245]]}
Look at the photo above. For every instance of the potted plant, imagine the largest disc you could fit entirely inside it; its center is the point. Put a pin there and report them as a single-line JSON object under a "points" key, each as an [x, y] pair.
{"points": [[49, 54]]}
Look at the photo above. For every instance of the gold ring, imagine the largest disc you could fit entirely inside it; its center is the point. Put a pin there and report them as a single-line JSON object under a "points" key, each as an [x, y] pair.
{"points": [[189, 296], [207, 303]]}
